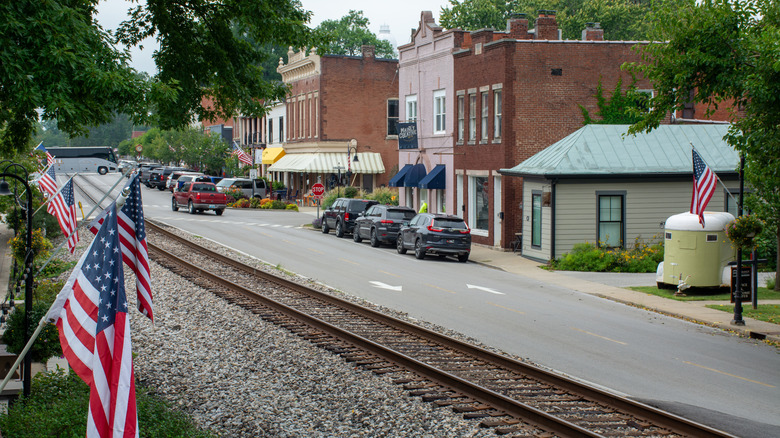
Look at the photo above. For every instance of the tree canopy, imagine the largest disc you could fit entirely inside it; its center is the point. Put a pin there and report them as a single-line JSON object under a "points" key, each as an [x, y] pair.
{"points": [[724, 53], [347, 35], [622, 20], [58, 63]]}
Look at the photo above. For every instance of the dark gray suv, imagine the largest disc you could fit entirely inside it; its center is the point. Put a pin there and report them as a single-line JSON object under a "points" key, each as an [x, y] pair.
{"points": [[381, 223], [440, 234], [342, 213]]}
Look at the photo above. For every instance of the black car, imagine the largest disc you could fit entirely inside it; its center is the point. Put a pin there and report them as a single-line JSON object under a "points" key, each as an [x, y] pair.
{"points": [[144, 170], [440, 234], [381, 223], [159, 177], [342, 213]]}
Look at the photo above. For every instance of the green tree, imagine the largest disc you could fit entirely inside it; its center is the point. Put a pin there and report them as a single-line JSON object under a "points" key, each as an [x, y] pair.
{"points": [[57, 61], [110, 134], [621, 108], [719, 52], [622, 20], [346, 36]]}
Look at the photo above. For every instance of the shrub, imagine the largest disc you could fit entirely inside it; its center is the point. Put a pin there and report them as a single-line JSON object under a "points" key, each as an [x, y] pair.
{"points": [[55, 267], [584, 257], [45, 346], [235, 193], [385, 195], [40, 245], [317, 223], [46, 291], [351, 192], [241, 203], [254, 203], [643, 257], [291, 207], [278, 185]]}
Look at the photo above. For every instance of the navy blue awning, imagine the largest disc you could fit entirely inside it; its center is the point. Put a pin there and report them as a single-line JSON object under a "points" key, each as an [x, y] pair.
{"points": [[415, 175], [398, 179], [435, 179]]}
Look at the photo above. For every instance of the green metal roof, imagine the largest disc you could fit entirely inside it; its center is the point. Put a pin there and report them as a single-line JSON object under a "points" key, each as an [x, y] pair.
{"points": [[606, 150]]}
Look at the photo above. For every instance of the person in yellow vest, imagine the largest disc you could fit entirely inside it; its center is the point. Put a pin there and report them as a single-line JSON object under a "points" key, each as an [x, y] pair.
{"points": [[424, 207]]}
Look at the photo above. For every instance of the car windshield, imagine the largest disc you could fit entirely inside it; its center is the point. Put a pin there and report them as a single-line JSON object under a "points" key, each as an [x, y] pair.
{"points": [[226, 182], [400, 214], [456, 224], [357, 207], [203, 188]]}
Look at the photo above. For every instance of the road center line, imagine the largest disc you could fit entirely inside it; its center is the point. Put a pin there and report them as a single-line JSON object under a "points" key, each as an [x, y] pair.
{"points": [[390, 273], [506, 308], [728, 374], [440, 288], [599, 336], [350, 261]]}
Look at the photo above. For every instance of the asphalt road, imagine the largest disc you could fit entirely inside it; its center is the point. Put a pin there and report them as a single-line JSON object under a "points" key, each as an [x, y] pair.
{"points": [[696, 371]]}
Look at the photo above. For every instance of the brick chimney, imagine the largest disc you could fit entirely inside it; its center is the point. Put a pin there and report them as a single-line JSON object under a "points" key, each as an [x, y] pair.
{"points": [[593, 32], [546, 26], [368, 51], [517, 27]]}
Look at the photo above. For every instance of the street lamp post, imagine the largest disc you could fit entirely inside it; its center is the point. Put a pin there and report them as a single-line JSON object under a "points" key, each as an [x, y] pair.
{"points": [[338, 169], [27, 273]]}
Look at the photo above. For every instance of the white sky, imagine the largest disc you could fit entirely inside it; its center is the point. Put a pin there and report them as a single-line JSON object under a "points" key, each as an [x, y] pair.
{"points": [[401, 15]]}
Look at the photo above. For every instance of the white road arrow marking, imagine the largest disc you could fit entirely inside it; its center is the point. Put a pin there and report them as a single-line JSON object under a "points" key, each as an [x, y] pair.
{"points": [[385, 286], [486, 289]]}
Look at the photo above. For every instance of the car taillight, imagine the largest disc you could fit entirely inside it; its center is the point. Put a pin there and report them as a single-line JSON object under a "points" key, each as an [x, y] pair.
{"points": [[386, 221], [346, 216], [438, 230], [466, 231], [197, 196]]}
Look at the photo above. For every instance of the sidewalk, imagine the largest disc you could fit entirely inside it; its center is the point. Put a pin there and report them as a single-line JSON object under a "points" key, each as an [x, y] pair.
{"points": [[613, 286]]}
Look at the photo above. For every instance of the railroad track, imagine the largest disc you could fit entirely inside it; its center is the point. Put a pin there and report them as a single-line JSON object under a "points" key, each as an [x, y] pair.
{"points": [[511, 396]]}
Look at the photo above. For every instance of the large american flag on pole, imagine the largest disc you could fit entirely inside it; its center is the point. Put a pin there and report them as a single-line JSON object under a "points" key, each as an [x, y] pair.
{"points": [[242, 156], [91, 315], [132, 236], [704, 183], [62, 205]]}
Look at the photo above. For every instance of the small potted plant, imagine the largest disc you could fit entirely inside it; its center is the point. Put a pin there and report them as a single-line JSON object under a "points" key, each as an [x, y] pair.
{"points": [[743, 230]]}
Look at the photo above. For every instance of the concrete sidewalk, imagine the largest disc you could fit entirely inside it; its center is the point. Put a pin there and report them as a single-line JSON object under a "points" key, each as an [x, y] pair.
{"points": [[613, 286]]}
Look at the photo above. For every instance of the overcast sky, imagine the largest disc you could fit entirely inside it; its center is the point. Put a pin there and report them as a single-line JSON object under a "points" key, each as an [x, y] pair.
{"points": [[400, 15]]}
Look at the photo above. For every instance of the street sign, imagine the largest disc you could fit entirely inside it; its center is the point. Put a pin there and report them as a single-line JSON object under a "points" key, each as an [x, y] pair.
{"points": [[318, 190]]}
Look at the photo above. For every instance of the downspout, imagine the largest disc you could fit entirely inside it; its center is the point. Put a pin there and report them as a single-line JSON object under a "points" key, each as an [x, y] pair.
{"points": [[552, 219]]}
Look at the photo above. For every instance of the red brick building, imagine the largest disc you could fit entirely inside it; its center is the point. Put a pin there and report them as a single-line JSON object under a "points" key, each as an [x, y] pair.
{"points": [[339, 107], [518, 92]]}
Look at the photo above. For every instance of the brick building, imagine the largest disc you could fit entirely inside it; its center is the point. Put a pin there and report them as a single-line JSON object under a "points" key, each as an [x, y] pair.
{"points": [[339, 108], [516, 93]]}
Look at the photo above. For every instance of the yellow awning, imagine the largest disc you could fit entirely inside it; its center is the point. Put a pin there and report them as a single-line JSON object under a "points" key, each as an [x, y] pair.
{"points": [[271, 155]]}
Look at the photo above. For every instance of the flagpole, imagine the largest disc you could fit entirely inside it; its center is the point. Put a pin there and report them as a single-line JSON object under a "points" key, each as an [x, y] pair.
{"points": [[21, 356], [48, 200], [728, 192]]}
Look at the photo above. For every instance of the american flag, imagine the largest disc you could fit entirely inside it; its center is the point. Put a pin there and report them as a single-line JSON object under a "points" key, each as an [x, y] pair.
{"points": [[242, 156], [49, 157], [91, 315], [62, 205], [132, 236], [703, 186]]}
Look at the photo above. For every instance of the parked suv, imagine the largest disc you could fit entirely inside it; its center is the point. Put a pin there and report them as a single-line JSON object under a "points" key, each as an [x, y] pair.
{"points": [[342, 213], [251, 188], [381, 223], [159, 177], [441, 234], [145, 170], [173, 179]]}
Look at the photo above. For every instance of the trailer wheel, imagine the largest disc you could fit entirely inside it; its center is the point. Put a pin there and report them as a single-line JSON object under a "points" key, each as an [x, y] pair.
{"points": [[102, 170]]}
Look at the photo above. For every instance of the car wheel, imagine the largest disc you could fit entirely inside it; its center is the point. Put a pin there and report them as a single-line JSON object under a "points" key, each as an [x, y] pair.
{"points": [[399, 245], [102, 170], [463, 258], [356, 235], [219, 211], [161, 188], [190, 208], [374, 238], [325, 227], [174, 205], [339, 229], [419, 251]]}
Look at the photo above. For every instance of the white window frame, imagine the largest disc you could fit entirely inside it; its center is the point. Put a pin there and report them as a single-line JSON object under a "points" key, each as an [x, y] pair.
{"points": [[461, 117], [472, 118], [483, 135], [439, 112], [497, 113], [411, 108]]}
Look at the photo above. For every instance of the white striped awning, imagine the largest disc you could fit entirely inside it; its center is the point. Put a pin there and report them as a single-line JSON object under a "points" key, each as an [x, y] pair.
{"points": [[327, 162]]}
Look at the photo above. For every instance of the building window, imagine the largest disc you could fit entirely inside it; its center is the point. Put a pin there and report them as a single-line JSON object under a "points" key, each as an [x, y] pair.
{"points": [[392, 116], [480, 203], [497, 113], [301, 116], [610, 220], [461, 119], [472, 117], [281, 129], [411, 108], [439, 109], [536, 219], [441, 198], [484, 122], [270, 132]]}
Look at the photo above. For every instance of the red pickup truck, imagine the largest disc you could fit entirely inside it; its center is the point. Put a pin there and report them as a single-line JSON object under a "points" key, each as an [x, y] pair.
{"points": [[197, 197]]}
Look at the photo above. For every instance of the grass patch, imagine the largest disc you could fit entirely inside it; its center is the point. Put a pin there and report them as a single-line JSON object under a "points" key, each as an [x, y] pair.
{"points": [[765, 312], [57, 407], [703, 294]]}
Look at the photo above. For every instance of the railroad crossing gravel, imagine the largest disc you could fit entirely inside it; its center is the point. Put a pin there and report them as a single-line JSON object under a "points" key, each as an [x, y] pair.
{"points": [[240, 376]]}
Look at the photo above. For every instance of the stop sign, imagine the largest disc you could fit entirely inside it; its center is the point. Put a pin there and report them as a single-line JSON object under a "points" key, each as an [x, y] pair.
{"points": [[318, 190]]}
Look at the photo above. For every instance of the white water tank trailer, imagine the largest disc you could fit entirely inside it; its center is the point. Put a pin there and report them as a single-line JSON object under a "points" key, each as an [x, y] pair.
{"points": [[696, 256]]}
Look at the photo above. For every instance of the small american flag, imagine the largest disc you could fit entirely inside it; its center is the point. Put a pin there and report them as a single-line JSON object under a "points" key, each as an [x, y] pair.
{"points": [[49, 157], [132, 236], [62, 205], [242, 156], [91, 315], [703, 186]]}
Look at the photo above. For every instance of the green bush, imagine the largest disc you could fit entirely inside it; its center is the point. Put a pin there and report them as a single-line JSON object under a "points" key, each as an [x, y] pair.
{"points": [[584, 257], [45, 291], [643, 257], [291, 207], [385, 195], [57, 407], [47, 344], [55, 268]]}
